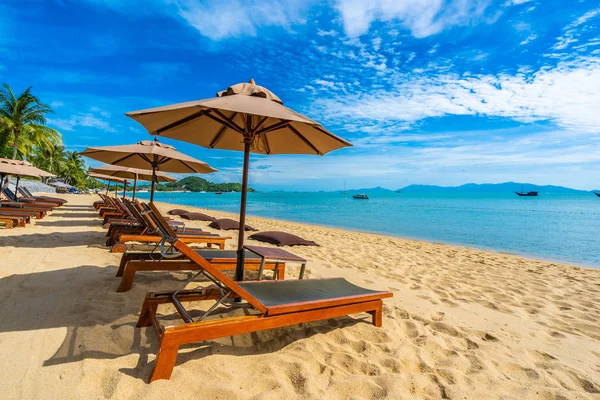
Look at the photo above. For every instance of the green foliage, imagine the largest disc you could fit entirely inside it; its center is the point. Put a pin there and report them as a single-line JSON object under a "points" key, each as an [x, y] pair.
{"points": [[24, 135], [196, 184], [23, 122]]}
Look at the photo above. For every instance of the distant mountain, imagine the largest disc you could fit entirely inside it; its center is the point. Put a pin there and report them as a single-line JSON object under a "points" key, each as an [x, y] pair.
{"points": [[506, 187], [196, 184], [377, 189]]}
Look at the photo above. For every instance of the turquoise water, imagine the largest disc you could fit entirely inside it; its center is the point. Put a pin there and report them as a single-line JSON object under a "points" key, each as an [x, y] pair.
{"points": [[552, 227]]}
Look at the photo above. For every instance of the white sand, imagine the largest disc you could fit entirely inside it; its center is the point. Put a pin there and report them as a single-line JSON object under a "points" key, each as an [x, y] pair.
{"points": [[463, 323]]}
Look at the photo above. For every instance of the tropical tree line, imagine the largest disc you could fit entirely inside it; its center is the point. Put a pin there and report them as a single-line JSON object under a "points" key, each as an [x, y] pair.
{"points": [[24, 135]]}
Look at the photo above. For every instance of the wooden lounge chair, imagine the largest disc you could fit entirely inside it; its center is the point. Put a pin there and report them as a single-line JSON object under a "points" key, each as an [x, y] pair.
{"points": [[26, 194], [13, 198], [224, 260], [19, 213], [18, 208], [276, 304], [11, 221], [137, 223], [203, 237], [10, 204]]}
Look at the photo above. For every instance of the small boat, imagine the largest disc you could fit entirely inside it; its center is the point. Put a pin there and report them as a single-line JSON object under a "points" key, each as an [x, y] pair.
{"points": [[345, 191], [219, 192], [528, 194], [597, 194], [361, 196]]}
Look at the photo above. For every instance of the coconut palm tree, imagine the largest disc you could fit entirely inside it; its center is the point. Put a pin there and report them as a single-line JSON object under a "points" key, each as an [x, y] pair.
{"points": [[73, 168], [23, 119]]}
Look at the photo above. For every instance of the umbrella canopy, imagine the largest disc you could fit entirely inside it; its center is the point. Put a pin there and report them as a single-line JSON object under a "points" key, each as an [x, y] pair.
{"points": [[134, 174], [158, 156], [243, 112], [244, 117], [34, 171], [8, 167], [110, 179], [20, 168]]}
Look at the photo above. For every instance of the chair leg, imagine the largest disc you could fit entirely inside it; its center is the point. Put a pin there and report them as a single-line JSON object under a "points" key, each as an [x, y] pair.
{"points": [[148, 312], [165, 361], [281, 272], [377, 315], [122, 265], [126, 280]]}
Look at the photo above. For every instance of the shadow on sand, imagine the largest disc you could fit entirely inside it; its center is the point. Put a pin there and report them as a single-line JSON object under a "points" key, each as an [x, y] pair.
{"points": [[67, 223], [101, 322], [56, 239], [90, 214]]}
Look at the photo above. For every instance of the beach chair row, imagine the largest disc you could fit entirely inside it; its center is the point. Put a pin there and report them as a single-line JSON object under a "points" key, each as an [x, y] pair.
{"points": [[270, 303], [19, 211]]}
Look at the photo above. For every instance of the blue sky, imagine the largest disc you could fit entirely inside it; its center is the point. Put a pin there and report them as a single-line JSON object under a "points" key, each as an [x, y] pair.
{"points": [[429, 91]]}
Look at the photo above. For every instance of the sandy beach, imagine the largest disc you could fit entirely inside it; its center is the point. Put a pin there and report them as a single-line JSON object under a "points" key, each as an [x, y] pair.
{"points": [[463, 323]]}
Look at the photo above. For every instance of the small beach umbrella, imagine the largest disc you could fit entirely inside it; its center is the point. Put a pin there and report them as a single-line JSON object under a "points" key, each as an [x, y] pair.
{"points": [[157, 156], [110, 179], [245, 117], [134, 174]]}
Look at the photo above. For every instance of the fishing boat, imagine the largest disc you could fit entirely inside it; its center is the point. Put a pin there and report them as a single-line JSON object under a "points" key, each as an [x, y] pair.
{"points": [[528, 194], [361, 196], [219, 192]]}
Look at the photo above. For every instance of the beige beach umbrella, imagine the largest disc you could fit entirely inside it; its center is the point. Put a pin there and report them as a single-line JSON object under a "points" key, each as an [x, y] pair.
{"points": [[149, 154], [20, 168], [244, 117], [110, 179], [134, 174]]}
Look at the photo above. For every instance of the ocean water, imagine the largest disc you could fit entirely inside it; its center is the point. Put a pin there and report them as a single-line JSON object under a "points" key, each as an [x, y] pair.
{"points": [[555, 227]]}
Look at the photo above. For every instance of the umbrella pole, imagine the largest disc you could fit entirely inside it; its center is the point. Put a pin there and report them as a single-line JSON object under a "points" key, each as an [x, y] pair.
{"points": [[134, 187], [116, 189], [152, 188], [239, 269], [124, 189], [17, 187]]}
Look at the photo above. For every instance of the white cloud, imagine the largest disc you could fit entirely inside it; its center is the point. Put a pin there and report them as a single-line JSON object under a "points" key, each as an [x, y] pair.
{"points": [[96, 118], [567, 95], [571, 31], [422, 17], [222, 19], [529, 38], [323, 82], [321, 32], [516, 2]]}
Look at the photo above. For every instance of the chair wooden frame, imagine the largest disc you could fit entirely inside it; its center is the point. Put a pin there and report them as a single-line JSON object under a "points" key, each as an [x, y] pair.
{"points": [[146, 262], [25, 194], [120, 242], [12, 221], [11, 197], [268, 317]]}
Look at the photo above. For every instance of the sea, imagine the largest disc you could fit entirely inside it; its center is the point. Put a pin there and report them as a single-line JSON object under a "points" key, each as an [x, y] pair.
{"points": [[553, 227]]}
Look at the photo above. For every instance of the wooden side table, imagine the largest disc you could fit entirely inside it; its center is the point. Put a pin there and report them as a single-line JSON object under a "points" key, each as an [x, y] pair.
{"points": [[277, 256]]}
